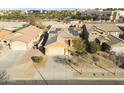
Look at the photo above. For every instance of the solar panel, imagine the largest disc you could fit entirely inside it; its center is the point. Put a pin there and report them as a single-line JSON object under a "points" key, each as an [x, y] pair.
{"points": [[54, 30], [73, 31]]}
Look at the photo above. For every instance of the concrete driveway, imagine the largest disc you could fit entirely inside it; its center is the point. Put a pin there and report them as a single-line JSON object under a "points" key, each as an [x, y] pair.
{"points": [[55, 70], [10, 58]]}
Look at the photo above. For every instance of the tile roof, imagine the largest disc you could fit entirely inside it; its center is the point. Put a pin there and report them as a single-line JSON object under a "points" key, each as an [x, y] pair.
{"points": [[89, 26], [103, 26], [26, 34], [54, 41], [110, 40], [4, 33]]}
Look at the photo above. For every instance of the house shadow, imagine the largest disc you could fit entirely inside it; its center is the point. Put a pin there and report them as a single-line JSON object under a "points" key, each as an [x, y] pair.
{"points": [[42, 49], [122, 66], [84, 34], [46, 35], [45, 38], [33, 58]]}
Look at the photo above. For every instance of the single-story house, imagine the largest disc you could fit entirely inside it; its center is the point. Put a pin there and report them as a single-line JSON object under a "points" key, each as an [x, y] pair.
{"points": [[93, 31], [24, 39], [54, 47]]}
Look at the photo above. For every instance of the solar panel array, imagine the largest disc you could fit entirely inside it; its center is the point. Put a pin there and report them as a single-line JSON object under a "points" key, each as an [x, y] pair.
{"points": [[73, 31]]}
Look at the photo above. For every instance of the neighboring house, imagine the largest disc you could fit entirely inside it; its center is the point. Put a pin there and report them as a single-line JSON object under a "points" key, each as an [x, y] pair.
{"points": [[116, 15], [54, 46], [24, 39], [112, 43], [93, 31]]}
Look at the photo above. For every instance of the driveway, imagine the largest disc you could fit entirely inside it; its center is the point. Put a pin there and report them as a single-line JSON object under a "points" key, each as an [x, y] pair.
{"points": [[10, 58], [55, 70]]}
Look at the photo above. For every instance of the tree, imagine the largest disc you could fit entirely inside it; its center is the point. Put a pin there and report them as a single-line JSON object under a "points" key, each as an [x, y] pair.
{"points": [[88, 17], [78, 15], [79, 45], [94, 47], [36, 21]]}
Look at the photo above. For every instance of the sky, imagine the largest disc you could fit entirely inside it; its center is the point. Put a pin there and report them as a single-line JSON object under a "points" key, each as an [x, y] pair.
{"points": [[61, 3]]}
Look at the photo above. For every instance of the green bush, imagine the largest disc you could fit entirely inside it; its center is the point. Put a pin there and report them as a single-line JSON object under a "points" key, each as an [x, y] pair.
{"points": [[79, 45], [94, 47], [37, 59]]}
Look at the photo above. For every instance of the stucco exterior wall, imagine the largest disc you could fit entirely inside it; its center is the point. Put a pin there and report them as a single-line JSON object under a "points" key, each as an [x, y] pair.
{"points": [[55, 51], [18, 45]]}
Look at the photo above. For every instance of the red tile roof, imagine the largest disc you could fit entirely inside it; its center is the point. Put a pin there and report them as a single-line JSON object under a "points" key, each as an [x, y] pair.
{"points": [[26, 35]]}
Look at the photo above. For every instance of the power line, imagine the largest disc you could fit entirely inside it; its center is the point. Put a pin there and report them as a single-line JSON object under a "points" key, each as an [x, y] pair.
{"points": [[40, 74]]}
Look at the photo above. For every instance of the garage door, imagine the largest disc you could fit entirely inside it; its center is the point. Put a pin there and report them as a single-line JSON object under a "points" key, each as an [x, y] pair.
{"points": [[18, 46], [55, 51]]}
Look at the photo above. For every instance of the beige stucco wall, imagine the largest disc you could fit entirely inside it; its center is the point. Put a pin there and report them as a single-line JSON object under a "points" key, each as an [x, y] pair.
{"points": [[18, 45], [55, 51]]}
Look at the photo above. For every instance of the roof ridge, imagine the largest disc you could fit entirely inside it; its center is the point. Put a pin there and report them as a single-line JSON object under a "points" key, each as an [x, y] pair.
{"points": [[118, 38]]}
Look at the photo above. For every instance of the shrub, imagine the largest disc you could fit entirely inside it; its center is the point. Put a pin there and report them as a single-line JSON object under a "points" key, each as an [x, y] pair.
{"points": [[37, 59], [94, 47], [79, 45]]}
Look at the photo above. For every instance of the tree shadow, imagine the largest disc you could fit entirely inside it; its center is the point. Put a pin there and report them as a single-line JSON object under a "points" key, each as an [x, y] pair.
{"points": [[59, 59], [46, 35], [122, 66], [42, 49]]}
